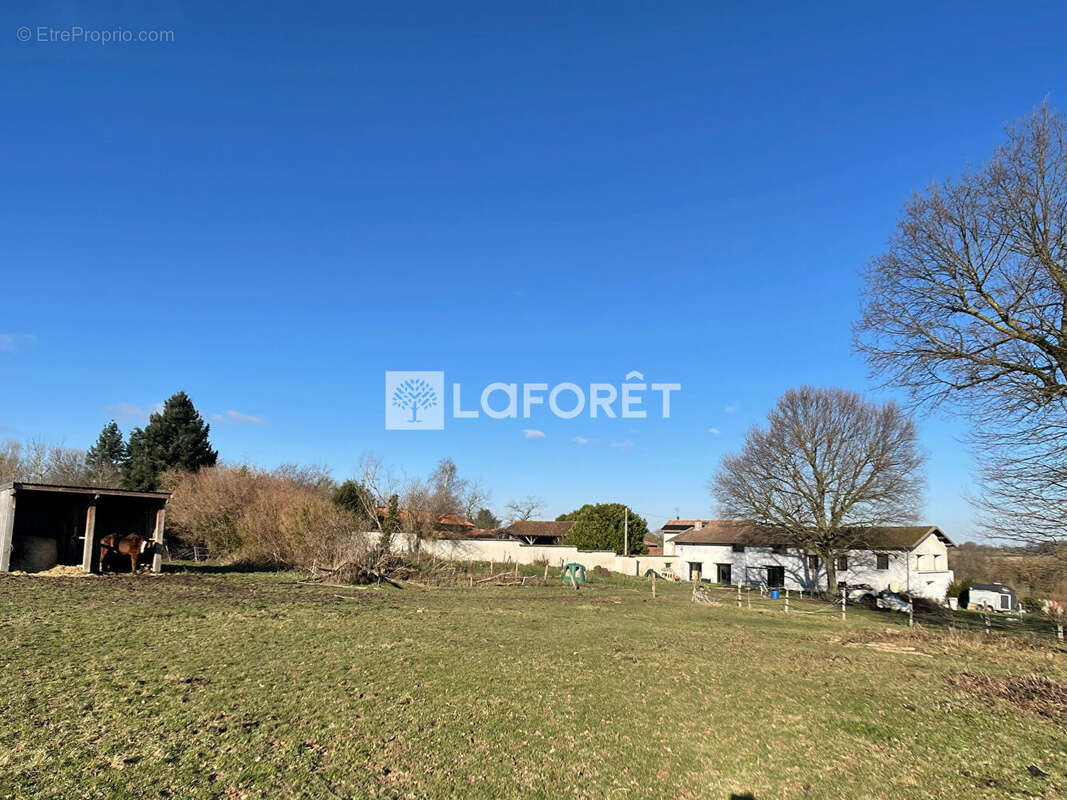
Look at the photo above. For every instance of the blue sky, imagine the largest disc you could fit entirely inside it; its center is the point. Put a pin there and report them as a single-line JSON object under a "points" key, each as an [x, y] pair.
{"points": [[280, 205]]}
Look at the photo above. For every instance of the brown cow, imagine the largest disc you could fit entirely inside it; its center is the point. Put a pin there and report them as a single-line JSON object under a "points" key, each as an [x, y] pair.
{"points": [[130, 545]]}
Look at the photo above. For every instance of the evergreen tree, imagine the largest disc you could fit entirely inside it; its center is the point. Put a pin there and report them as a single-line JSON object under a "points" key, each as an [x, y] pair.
{"points": [[357, 498], [486, 520], [110, 448], [392, 517], [175, 438], [107, 458], [601, 526]]}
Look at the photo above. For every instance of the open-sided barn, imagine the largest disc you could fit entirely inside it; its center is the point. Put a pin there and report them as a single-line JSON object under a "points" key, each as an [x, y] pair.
{"points": [[42, 525]]}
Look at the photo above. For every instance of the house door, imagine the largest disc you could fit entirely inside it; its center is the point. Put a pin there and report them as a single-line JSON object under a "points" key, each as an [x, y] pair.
{"points": [[723, 573], [776, 576], [694, 570], [1005, 602]]}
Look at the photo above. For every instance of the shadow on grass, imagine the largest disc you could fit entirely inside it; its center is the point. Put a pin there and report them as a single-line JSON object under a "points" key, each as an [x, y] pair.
{"points": [[204, 568], [745, 796]]}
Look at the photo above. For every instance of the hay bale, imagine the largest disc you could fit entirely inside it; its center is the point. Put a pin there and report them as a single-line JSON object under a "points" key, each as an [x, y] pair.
{"points": [[35, 554]]}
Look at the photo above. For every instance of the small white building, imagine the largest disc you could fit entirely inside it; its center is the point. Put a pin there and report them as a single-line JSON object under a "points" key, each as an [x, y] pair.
{"points": [[991, 597], [912, 559]]}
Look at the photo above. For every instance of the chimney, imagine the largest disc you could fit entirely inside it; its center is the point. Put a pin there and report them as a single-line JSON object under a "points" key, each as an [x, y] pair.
{"points": [[698, 524]]}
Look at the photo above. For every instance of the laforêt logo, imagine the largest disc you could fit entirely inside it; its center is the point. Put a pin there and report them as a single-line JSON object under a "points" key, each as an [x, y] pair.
{"points": [[415, 401]]}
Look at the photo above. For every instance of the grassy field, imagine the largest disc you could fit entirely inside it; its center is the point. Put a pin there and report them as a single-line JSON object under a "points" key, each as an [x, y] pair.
{"points": [[256, 685]]}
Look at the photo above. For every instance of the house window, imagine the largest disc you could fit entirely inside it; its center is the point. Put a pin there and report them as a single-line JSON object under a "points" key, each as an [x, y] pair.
{"points": [[883, 560], [842, 562], [1005, 602], [779, 549], [775, 576], [739, 548], [813, 565]]}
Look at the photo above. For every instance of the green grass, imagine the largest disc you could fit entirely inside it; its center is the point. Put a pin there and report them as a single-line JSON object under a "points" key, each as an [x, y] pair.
{"points": [[250, 685]]}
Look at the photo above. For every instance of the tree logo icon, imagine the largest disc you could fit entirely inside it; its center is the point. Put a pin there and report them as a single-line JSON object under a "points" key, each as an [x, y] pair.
{"points": [[414, 401], [413, 395]]}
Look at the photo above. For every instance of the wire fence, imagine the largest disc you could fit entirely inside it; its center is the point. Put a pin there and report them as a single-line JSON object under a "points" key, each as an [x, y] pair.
{"points": [[195, 553], [926, 614]]}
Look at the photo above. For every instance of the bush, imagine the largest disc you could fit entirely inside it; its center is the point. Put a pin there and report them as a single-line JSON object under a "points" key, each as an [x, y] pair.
{"points": [[957, 587], [247, 515]]}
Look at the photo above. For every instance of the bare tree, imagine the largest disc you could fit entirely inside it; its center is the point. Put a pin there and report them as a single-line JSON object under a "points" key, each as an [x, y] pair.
{"points": [[827, 467], [9, 461], [967, 307], [474, 499], [524, 509], [40, 462]]}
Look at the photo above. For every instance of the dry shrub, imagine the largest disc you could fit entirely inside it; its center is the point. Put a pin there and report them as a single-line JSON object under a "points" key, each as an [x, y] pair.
{"points": [[248, 515], [1035, 693]]}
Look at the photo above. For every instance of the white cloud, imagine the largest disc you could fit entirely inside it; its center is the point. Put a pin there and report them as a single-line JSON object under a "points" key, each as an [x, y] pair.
{"points": [[714, 431], [732, 408], [131, 412], [10, 342], [580, 440], [625, 444], [232, 417], [533, 433]]}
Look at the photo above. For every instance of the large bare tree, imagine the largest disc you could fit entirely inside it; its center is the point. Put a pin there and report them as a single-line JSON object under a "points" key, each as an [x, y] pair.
{"points": [[967, 308], [525, 509], [827, 467]]}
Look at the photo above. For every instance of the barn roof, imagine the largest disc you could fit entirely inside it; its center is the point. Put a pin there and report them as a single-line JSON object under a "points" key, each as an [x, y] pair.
{"points": [[104, 491], [535, 527], [729, 531]]}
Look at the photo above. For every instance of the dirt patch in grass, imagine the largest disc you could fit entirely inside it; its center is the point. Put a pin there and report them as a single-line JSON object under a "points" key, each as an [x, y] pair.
{"points": [[1035, 693]]}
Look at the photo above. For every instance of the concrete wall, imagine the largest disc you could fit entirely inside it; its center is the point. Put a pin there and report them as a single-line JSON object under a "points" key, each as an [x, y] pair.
{"points": [[503, 551]]}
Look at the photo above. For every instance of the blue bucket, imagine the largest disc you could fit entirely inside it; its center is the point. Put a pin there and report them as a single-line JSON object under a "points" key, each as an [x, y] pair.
{"points": [[774, 594]]}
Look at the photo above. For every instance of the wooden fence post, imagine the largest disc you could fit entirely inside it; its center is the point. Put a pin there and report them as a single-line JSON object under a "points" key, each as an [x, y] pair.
{"points": [[653, 584], [739, 595], [546, 571], [787, 601], [987, 624], [842, 602]]}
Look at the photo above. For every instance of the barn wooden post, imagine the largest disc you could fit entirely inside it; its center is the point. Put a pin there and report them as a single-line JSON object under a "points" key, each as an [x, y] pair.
{"points": [[90, 535], [7, 526], [157, 537]]}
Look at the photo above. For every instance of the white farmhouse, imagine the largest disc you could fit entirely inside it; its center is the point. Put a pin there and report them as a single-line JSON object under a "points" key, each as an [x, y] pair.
{"points": [[911, 559]]}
